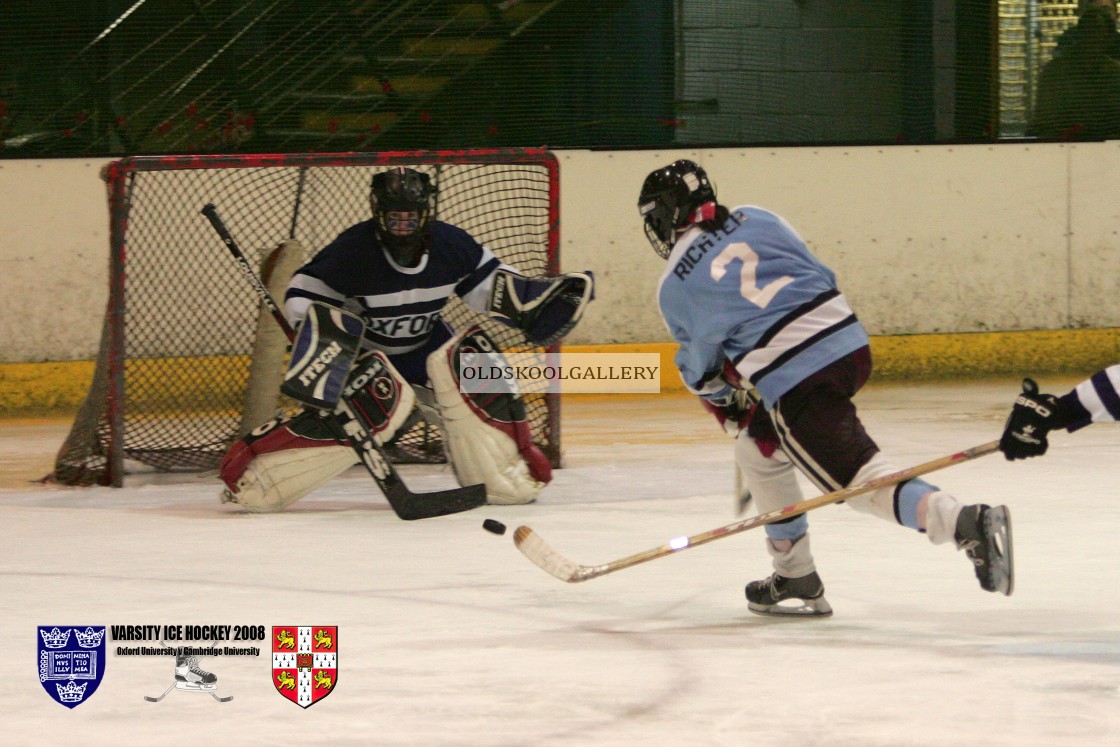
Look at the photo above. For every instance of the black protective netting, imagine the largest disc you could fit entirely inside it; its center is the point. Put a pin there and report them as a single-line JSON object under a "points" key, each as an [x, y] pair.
{"points": [[190, 318], [121, 77]]}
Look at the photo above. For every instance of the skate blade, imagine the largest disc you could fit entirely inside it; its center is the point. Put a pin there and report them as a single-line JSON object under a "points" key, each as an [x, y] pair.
{"points": [[1002, 574], [818, 607], [195, 687]]}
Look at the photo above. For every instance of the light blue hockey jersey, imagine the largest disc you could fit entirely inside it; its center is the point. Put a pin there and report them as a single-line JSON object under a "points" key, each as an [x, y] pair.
{"points": [[752, 293]]}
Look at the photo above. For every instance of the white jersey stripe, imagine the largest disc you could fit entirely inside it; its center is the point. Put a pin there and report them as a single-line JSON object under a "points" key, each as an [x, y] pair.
{"points": [[819, 319], [415, 295], [315, 286], [295, 308]]}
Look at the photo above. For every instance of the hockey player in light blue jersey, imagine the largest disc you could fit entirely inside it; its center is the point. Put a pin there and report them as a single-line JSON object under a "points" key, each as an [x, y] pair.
{"points": [[770, 344], [1034, 415]]}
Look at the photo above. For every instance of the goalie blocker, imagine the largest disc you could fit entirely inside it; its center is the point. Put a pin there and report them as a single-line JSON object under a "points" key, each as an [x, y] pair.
{"points": [[281, 461]]}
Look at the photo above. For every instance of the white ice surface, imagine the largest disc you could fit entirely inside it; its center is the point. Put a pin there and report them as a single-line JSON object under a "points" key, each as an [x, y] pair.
{"points": [[448, 636]]}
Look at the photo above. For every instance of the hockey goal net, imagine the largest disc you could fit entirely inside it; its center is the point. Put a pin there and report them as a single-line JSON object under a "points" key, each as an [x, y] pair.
{"points": [[188, 362]]}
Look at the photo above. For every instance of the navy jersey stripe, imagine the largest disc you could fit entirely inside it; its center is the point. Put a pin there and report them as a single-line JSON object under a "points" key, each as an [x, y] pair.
{"points": [[300, 293], [808, 342], [1107, 394], [792, 316]]}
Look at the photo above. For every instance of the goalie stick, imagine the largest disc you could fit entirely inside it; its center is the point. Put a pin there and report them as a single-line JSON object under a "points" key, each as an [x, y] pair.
{"points": [[405, 503], [539, 552]]}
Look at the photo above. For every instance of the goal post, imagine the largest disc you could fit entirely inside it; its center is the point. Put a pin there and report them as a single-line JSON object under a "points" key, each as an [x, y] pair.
{"points": [[183, 336]]}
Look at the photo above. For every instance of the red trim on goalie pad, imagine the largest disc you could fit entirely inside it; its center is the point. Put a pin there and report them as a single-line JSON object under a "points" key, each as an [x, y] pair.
{"points": [[280, 438], [539, 466]]}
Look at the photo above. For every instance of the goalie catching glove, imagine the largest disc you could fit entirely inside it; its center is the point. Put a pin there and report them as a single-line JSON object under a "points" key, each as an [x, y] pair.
{"points": [[546, 309]]}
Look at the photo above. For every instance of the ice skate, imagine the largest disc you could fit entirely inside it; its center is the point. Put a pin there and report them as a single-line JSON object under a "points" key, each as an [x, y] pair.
{"points": [[984, 534], [189, 676], [806, 594]]}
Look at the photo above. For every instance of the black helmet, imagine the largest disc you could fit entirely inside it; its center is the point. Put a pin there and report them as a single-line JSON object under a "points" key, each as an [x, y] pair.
{"points": [[670, 199], [402, 190]]}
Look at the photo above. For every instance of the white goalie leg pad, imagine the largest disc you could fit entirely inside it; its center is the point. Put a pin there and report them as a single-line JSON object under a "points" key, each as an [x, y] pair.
{"points": [[272, 482], [482, 449], [281, 461]]}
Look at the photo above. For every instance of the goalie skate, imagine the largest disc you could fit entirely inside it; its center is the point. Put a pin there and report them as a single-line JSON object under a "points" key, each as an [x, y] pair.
{"points": [[804, 595], [984, 534]]}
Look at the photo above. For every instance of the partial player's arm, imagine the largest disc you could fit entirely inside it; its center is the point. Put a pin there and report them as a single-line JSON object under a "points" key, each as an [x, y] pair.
{"points": [[1095, 400], [306, 288]]}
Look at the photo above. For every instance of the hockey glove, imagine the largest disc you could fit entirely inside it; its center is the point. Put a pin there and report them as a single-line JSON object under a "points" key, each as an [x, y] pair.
{"points": [[546, 309], [1033, 416], [733, 411]]}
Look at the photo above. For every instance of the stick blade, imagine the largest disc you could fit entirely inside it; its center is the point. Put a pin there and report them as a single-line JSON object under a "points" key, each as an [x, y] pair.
{"points": [[544, 557], [412, 506]]}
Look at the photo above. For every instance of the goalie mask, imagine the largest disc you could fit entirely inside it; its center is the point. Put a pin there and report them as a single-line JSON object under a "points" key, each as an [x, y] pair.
{"points": [[402, 201], [673, 198]]}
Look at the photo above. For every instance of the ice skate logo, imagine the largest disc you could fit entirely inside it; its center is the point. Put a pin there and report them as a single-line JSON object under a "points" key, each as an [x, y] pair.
{"points": [[190, 677], [305, 662], [71, 667]]}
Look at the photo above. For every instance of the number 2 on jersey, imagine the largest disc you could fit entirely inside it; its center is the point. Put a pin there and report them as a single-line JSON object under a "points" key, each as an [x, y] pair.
{"points": [[748, 279]]}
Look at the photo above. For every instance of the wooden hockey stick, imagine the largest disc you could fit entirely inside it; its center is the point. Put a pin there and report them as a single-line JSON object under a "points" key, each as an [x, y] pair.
{"points": [[350, 428], [537, 550]]}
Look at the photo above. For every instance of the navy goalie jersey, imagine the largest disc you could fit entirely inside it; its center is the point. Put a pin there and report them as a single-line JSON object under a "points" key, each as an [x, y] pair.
{"points": [[752, 293], [400, 305]]}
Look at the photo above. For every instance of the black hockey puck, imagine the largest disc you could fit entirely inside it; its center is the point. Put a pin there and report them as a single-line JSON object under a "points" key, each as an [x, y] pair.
{"points": [[497, 527]]}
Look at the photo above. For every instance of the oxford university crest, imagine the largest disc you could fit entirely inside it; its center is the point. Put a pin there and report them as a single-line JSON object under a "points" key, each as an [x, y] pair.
{"points": [[71, 660]]}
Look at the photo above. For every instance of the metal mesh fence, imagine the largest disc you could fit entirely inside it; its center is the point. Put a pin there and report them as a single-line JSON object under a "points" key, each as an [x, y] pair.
{"points": [[175, 355], [121, 77]]}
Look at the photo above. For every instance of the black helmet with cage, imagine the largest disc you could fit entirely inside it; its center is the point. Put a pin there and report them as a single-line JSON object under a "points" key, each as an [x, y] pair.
{"points": [[402, 200], [673, 198]]}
